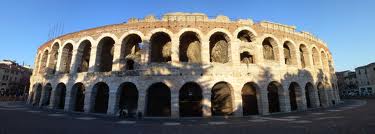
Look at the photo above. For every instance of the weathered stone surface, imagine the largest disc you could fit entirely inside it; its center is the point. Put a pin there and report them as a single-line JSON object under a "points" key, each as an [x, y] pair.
{"points": [[219, 52]]}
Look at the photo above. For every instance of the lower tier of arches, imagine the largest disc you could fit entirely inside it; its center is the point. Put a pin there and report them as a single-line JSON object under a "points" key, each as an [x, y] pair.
{"points": [[190, 99]]}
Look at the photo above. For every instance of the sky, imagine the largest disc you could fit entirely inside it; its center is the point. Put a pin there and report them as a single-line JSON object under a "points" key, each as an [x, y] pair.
{"points": [[347, 26]]}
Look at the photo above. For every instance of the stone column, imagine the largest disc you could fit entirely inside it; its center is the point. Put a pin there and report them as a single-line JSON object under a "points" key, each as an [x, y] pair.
{"points": [[142, 101], [175, 50], [237, 98], [235, 51], [301, 100], [89, 99], [69, 100], [175, 111], [205, 51], [284, 99], [93, 58], [112, 103], [206, 102], [76, 59], [53, 99], [58, 63], [116, 58], [263, 106]]}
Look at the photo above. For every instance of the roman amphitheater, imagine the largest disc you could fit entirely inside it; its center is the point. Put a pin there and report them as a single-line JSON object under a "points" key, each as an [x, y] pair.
{"points": [[185, 65]]}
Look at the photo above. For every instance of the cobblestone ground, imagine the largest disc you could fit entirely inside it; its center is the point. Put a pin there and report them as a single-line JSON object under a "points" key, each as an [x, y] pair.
{"points": [[353, 117]]}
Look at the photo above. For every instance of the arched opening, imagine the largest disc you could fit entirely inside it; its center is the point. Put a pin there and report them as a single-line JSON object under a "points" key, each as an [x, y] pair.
{"points": [[249, 99], [37, 94], [130, 64], [158, 100], [190, 48], [324, 60], [66, 58], [47, 94], [315, 55], [161, 46], [190, 100], [321, 93], [130, 51], [273, 97], [219, 48], [53, 58], [60, 94], [270, 49], [101, 92], [83, 56], [287, 55], [78, 97], [221, 99], [36, 69], [43, 62], [304, 56], [105, 54], [246, 36], [309, 91], [128, 98], [246, 58], [294, 96]]}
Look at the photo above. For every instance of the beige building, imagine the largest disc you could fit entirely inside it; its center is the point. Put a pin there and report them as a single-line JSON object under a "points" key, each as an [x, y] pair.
{"points": [[366, 79], [185, 64], [347, 83], [14, 78]]}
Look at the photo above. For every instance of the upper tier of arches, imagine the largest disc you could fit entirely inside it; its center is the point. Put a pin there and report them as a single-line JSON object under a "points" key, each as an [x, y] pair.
{"points": [[133, 49]]}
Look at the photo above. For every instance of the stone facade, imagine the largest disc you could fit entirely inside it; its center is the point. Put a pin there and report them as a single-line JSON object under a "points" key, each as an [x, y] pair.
{"points": [[366, 79], [227, 68], [14, 78]]}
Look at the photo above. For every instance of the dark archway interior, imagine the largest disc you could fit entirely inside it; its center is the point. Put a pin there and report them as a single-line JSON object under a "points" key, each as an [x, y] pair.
{"points": [[129, 98], [158, 100], [38, 94], [79, 102], [246, 58], [221, 100], [268, 52], [101, 98], [85, 59], [47, 95], [66, 58], [287, 55], [292, 96], [190, 100], [189, 49], [60, 96], [245, 36], [130, 51], [273, 97], [308, 89], [53, 57], [161, 47], [106, 46], [219, 47], [249, 99], [129, 64]]}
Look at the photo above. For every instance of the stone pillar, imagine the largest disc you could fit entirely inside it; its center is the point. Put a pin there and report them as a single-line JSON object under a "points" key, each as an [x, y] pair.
{"points": [[205, 51], [76, 59], [58, 63], [116, 58], [237, 99], [175, 57], [145, 52], [206, 102], [301, 99], [263, 105], [235, 51], [175, 111], [93, 58], [89, 99], [284, 99], [53, 99], [142, 101], [69, 100], [112, 103]]}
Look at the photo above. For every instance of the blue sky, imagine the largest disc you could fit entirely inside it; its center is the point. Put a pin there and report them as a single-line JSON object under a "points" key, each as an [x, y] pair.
{"points": [[348, 26]]}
